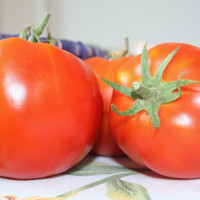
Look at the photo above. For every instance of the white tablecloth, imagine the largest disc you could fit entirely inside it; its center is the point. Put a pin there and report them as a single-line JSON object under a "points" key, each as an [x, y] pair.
{"points": [[99, 178]]}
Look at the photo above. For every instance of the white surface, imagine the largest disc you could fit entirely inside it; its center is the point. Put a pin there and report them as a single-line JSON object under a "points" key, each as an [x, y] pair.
{"points": [[158, 187]]}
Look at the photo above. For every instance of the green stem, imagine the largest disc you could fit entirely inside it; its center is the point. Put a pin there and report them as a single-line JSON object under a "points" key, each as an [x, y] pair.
{"points": [[37, 31], [126, 49], [119, 54], [102, 181], [23, 34], [143, 91]]}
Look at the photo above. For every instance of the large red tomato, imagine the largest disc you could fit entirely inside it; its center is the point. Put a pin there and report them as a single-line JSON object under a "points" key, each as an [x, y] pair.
{"points": [[51, 109], [161, 128], [105, 144]]}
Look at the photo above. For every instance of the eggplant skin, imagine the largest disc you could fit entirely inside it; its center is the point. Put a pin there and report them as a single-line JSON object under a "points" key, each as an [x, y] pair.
{"points": [[79, 49]]}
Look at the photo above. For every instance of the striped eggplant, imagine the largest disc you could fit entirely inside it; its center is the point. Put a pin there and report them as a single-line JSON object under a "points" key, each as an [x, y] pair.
{"points": [[79, 49]]}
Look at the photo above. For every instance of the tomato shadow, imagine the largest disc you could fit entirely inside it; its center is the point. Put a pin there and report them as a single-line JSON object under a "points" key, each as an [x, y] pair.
{"points": [[123, 161], [126, 162], [152, 174]]}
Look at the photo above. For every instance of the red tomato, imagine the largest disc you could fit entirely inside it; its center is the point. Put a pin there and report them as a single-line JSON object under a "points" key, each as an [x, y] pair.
{"points": [[105, 144], [173, 149], [51, 109]]}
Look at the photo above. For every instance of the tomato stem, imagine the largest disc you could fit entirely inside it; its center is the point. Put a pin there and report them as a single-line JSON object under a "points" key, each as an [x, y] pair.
{"points": [[122, 53], [24, 33], [143, 91], [36, 31]]}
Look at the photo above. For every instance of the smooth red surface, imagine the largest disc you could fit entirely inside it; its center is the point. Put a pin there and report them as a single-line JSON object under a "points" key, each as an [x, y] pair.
{"points": [[102, 67], [173, 149], [51, 109]]}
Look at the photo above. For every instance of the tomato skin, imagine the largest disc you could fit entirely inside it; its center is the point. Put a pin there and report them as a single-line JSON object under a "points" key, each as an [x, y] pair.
{"points": [[173, 149], [51, 109], [102, 67]]}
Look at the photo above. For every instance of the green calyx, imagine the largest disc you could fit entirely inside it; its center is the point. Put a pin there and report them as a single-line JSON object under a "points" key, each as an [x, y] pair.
{"points": [[119, 54], [33, 33], [151, 93]]}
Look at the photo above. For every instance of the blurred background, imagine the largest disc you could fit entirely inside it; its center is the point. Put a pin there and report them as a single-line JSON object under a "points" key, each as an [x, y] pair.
{"points": [[105, 23]]}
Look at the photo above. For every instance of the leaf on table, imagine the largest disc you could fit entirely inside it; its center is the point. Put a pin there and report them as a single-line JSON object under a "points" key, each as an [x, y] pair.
{"points": [[123, 190], [96, 168]]}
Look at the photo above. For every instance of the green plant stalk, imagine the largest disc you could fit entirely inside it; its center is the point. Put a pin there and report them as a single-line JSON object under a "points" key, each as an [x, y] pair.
{"points": [[119, 54], [24, 33], [37, 31]]}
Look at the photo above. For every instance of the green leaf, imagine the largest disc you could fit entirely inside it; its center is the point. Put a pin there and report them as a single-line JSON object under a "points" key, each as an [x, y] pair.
{"points": [[171, 86], [123, 190], [152, 110], [146, 76], [158, 75], [137, 107], [124, 90], [95, 168]]}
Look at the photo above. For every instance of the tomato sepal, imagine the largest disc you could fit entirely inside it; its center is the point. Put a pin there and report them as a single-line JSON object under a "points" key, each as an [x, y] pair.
{"points": [[125, 52], [151, 93], [32, 34]]}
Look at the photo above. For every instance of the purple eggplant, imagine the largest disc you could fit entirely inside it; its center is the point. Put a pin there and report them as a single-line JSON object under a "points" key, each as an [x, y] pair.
{"points": [[79, 49]]}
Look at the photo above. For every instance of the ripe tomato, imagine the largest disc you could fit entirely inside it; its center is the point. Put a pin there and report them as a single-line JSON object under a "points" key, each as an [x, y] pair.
{"points": [[105, 144], [51, 109], [173, 147]]}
